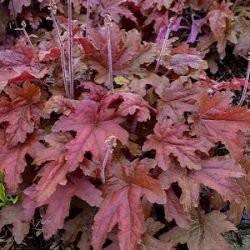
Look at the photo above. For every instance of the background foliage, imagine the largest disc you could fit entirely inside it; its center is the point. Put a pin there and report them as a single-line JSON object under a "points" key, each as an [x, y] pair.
{"points": [[125, 126]]}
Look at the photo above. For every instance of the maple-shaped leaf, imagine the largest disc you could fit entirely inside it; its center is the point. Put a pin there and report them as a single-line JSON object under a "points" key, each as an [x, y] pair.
{"points": [[174, 210], [60, 105], [236, 209], [169, 140], [16, 6], [185, 61], [215, 173], [147, 4], [242, 46], [10, 58], [158, 18], [198, 4], [205, 232], [18, 64], [219, 17], [149, 242], [132, 104], [80, 223], [176, 98], [128, 54], [235, 84], [12, 160], [94, 92], [122, 208], [56, 167], [79, 3], [222, 182], [218, 121], [122, 203], [21, 115], [137, 174], [116, 9], [51, 54], [13, 215], [59, 202], [93, 127], [140, 86]]}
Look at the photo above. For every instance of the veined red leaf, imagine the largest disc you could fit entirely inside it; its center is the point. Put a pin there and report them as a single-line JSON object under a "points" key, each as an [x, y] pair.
{"points": [[13, 215], [122, 205], [169, 140], [18, 65], [219, 121], [215, 173], [93, 127], [185, 61], [219, 16], [149, 242], [56, 167], [116, 9], [18, 6], [127, 52], [22, 115], [147, 4], [12, 160], [59, 202], [174, 210], [176, 98], [204, 233]]}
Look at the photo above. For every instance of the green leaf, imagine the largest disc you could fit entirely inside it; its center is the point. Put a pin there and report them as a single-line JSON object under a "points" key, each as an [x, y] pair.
{"points": [[5, 199]]}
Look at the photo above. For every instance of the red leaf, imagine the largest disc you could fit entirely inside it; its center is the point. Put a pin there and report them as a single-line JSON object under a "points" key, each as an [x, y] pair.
{"points": [[55, 170], [204, 233], [132, 104], [59, 202], [22, 114], [137, 173], [215, 173], [52, 54], [169, 140], [122, 203], [149, 242], [185, 61], [174, 210], [147, 4], [18, 65], [12, 214], [12, 161], [127, 52], [123, 208], [18, 6], [218, 175], [115, 9], [176, 98], [93, 127], [219, 15], [235, 84], [218, 121]]}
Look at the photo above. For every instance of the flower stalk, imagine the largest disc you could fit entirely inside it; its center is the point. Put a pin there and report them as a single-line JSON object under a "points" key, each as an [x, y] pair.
{"points": [[88, 18], [70, 49], [61, 45], [111, 143], [107, 22], [164, 45], [244, 93]]}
